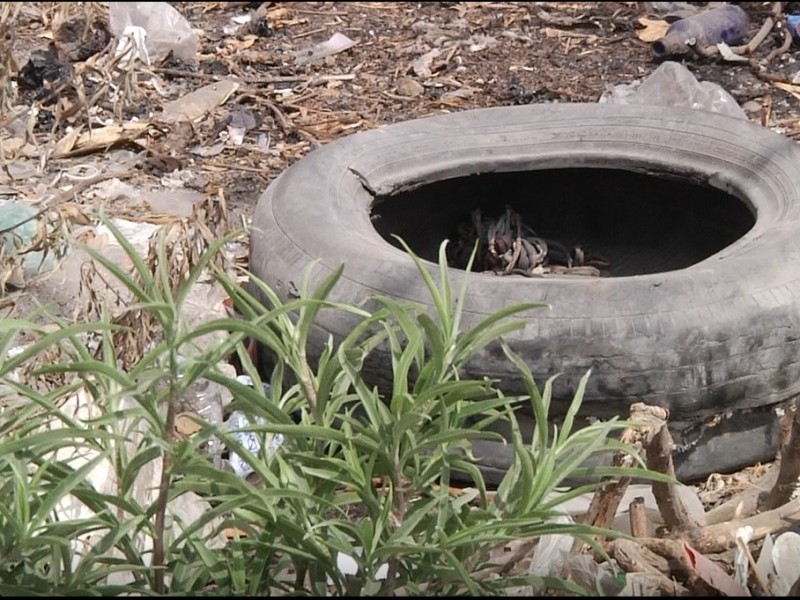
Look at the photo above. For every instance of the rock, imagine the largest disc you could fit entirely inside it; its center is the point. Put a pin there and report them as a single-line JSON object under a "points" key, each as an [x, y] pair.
{"points": [[409, 87]]}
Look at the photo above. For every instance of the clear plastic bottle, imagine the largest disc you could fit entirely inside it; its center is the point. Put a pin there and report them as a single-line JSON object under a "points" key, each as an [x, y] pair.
{"points": [[726, 23], [206, 399]]}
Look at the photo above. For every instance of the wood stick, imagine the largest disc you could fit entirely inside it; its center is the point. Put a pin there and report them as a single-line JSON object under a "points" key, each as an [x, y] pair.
{"points": [[638, 518], [659, 458], [789, 461], [647, 421], [638, 559], [721, 536]]}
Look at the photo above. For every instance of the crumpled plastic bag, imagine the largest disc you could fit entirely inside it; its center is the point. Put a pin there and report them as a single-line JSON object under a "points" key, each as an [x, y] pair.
{"points": [[166, 28], [552, 557], [778, 562], [17, 218], [671, 10], [671, 84]]}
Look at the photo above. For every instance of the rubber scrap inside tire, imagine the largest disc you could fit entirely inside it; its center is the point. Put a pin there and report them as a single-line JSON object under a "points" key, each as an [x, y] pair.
{"points": [[706, 338]]}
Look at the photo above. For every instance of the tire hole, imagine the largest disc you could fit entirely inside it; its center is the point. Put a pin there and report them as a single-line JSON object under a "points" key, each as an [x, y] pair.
{"points": [[640, 223]]}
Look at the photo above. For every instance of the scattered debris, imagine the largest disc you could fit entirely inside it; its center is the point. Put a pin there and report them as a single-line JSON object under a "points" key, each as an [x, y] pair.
{"points": [[409, 87], [43, 72], [777, 565], [197, 104], [79, 38], [671, 11], [508, 246], [239, 122], [338, 42], [208, 151], [204, 402], [653, 29], [728, 54], [184, 242], [98, 139], [83, 410], [422, 65], [668, 563], [132, 47]]}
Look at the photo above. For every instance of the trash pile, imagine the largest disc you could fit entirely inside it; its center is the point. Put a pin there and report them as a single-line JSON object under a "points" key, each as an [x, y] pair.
{"points": [[507, 246]]}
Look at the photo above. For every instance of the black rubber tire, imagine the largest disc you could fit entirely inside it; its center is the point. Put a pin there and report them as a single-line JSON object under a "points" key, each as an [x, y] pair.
{"points": [[720, 335]]}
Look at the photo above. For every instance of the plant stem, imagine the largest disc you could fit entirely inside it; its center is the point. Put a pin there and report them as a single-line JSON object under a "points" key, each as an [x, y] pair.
{"points": [[306, 380], [159, 546], [398, 514]]}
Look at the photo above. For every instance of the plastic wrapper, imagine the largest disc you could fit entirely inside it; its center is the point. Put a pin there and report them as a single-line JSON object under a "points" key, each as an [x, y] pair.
{"points": [[671, 84]]}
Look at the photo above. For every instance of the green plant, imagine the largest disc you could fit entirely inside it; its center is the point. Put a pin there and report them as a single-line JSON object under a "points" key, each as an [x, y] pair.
{"points": [[360, 473]]}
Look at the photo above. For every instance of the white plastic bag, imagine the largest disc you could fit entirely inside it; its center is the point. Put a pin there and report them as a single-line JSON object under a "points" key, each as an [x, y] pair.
{"points": [[165, 27]]}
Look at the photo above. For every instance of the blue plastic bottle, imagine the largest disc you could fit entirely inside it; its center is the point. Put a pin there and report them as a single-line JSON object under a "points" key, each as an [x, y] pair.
{"points": [[726, 23]]}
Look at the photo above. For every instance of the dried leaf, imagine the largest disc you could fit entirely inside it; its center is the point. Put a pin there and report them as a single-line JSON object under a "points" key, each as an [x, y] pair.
{"points": [[67, 143], [101, 139], [187, 424], [16, 147], [654, 29], [93, 240], [233, 533], [794, 90], [12, 275], [208, 151], [239, 45], [274, 14], [73, 213], [765, 563], [152, 219], [422, 65]]}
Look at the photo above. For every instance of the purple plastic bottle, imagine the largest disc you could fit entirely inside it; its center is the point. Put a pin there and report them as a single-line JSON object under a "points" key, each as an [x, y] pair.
{"points": [[726, 23]]}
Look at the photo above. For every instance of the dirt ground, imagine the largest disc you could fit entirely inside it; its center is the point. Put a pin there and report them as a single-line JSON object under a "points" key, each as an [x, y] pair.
{"points": [[406, 60], [409, 60]]}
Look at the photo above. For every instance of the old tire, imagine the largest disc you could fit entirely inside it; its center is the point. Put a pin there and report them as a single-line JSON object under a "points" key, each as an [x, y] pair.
{"points": [[715, 337]]}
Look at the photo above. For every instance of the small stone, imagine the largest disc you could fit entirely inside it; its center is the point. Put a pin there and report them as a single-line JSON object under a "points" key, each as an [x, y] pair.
{"points": [[751, 106], [409, 87]]}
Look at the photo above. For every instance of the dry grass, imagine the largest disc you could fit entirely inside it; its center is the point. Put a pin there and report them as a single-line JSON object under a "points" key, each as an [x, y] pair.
{"points": [[179, 246]]}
